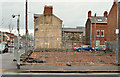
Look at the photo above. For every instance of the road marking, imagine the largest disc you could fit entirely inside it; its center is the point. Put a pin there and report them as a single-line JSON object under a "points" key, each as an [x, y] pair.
{"points": [[62, 73]]}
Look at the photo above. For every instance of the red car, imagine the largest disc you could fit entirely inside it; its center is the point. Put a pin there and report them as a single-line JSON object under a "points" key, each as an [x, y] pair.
{"points": [[74, 48]]}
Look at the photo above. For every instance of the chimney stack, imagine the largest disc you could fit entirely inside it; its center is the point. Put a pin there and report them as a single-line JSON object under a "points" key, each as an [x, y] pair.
{"points": [[89, 14], [48, 10], [105, 14], [115, 1]]}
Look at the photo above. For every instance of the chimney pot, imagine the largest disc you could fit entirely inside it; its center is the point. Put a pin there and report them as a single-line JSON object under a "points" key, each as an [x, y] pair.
{"points": [[89, 14], [115, 1], [105, 14]]}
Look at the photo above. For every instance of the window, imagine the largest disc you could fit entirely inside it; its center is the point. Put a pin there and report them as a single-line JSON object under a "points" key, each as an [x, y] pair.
{"points": [[66, 34], [97, 42], [80, 35], [102, 33], [105, 42], [98, 33]]}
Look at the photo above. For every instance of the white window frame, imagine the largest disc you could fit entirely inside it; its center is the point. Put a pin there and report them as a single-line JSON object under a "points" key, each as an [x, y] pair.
{"points": [[97, 42], [101, 33], [80, 36]]}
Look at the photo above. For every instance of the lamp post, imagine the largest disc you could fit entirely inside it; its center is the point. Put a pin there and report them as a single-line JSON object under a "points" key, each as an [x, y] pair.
{"points": [[18, 50], [117, 33]]}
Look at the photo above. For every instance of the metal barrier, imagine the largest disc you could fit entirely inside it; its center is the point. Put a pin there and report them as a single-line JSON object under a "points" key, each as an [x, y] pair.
{"points": [[48, 51]]}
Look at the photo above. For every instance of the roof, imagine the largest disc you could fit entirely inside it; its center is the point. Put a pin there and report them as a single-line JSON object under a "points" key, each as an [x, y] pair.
{"points": [[72, 30], [78, 29], [9, 34], [38, 15], [99, 19]]}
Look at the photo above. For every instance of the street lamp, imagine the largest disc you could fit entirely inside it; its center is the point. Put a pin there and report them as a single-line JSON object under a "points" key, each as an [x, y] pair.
{"points": [[18, 51]]}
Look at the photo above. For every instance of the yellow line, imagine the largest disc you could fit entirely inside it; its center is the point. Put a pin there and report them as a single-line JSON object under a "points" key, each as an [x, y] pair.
{"points": [[62, 73]]}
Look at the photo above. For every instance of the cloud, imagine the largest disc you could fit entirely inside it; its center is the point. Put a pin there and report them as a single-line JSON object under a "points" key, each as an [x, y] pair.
{"points": [[72, 12]]}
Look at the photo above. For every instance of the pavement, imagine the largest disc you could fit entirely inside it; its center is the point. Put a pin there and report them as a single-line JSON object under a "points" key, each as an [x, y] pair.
{"points": [[69, 69], [9, 66]]}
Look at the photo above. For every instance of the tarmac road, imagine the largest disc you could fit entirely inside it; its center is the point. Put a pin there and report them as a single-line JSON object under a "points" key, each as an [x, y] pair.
{"points": [[65, 75]]}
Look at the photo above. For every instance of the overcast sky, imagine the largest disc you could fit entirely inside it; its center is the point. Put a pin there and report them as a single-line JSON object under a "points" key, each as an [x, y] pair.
{"points": [[72, 12]]}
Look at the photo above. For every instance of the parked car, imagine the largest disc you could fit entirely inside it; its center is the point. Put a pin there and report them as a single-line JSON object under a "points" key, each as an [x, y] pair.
{"points": [[101, 48], [3, 48], [74, 48], [84, 47]]}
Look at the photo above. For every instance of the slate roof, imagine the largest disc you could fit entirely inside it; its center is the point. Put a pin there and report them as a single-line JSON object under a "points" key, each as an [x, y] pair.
{"points": [[78, 29], [99, 19]]}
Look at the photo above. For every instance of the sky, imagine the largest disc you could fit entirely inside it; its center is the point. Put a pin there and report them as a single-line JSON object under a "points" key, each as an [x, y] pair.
{"points": [[72, 12]]}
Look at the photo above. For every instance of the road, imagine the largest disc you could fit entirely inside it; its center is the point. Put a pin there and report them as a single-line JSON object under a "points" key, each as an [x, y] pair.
{"points": [[65, 75], [6, 62]]}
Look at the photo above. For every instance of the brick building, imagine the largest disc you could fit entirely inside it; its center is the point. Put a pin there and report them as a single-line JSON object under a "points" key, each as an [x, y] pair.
{"points": [[7, 38], [112, 23], [100, 32], [75, 35], [2, 37], [47, 29]]}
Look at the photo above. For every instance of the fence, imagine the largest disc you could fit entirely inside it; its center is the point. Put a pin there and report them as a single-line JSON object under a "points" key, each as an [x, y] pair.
{"points": [[56, 51]]}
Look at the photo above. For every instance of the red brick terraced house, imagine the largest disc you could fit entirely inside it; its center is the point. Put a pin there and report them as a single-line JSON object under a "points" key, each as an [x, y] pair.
{"points": [[101, 29], [105, 28], [7, 38], [112, 25]]}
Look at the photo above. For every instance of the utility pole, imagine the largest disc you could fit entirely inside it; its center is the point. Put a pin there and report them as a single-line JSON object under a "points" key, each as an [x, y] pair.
{"points": [[95, 32], [26, 28], [117, 33]]}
